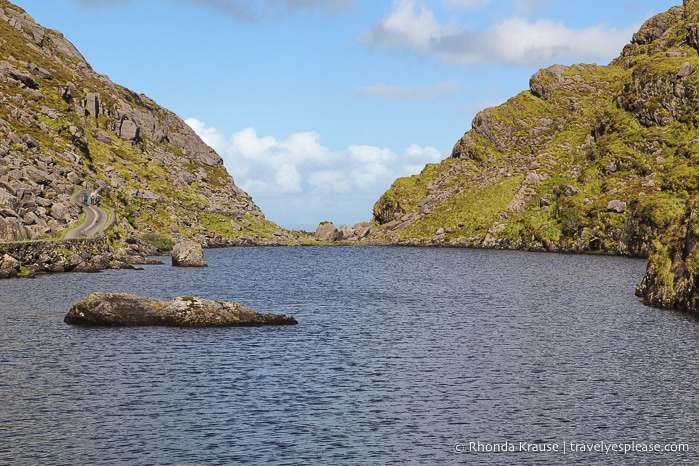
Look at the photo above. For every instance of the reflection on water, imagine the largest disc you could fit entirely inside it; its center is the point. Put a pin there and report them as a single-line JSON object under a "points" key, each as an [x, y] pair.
{"points": [[400, 354]]}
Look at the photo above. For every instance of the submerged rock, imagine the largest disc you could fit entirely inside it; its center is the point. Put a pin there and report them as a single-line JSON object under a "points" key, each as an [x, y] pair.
{"points": [[103, 309], [188, 254]]}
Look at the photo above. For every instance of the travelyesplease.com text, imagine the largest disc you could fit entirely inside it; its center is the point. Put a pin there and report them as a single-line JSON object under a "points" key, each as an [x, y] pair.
{"points": [[566, 447]]}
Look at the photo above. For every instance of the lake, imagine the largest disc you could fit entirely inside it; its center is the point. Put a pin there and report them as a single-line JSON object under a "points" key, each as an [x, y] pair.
{"points": [[401, 356]]}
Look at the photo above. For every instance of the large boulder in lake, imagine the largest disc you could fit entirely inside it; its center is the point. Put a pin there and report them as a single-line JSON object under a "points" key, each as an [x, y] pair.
{"points": [[188, 254], [184, 311]]}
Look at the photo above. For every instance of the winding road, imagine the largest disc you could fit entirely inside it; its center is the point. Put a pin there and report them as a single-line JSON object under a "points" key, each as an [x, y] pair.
{"points": [[95, 218]]}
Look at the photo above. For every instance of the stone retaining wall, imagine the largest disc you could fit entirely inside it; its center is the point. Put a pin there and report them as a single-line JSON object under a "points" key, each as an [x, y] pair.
{"points": [[81, 254], [65, 255]]}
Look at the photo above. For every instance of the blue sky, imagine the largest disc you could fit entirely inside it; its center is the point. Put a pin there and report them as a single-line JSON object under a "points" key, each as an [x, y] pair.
{"points": [[316, 106]]}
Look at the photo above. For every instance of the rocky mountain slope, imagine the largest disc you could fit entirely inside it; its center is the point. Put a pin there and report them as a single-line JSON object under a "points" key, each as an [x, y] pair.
{"points": [[589, 159], [64, 127]]}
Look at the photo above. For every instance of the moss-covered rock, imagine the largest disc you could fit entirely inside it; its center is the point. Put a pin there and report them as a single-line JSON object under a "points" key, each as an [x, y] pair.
{"points": [[121, 309]]}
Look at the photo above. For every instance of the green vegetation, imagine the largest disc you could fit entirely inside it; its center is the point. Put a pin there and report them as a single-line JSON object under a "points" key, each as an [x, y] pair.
{"points": [[245, 225], [590, 159], [54, 109], [159, 241], [589, 135], [469, 212]]}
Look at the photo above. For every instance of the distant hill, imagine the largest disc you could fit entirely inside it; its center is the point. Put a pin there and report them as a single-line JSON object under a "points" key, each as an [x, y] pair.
{"points": [[598, 159], [64, 127]]}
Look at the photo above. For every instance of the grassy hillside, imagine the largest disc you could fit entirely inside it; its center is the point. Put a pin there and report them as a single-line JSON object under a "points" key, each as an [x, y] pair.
{"points": [[589, 159], [64, 127]]}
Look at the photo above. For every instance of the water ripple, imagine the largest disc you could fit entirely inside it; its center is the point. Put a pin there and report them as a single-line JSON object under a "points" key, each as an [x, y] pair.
{"points": [[400, 354]]}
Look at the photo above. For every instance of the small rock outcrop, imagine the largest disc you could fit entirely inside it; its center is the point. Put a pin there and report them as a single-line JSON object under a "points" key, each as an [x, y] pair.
{"points": [[123, 309], [188, 254], [326, 231], [9, 266]]}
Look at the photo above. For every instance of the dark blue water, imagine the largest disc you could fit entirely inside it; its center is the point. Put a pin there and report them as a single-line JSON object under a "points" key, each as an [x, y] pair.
{"points": [[401, 356]]}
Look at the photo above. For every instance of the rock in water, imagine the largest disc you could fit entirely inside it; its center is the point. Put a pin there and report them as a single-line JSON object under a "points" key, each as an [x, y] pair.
{"points": [[103, 309], [188, 254]]}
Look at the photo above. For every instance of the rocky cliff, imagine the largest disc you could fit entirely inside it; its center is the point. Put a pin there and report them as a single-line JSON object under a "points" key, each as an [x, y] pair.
{"points": [[588, 159], [64, 127]]}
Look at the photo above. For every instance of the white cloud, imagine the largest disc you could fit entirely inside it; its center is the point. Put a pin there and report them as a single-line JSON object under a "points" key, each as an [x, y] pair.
{"points": [[514, 41], [288, 179], [370, 154], [252, 186], [329, 181], [415, 157], [302, 147], [282, 171], [370, 175], [404, 27], [518, 41], [246, 141], [426, 154], [385, 91]]}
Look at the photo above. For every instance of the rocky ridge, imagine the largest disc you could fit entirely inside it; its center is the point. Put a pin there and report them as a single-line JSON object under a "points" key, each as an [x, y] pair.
{"points": [[64, 127], [589, 159]]}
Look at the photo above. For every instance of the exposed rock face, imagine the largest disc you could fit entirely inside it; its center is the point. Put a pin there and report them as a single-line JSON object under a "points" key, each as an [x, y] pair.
{"points": [[108, 309], [64, 127], [188, 254]]}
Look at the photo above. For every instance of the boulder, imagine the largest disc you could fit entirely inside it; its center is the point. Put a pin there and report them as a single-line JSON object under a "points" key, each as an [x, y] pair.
{"points": [[12, 230], [570, 191], [188, 254], [344, 232], [616, 206], [362, 229], [685, 70], [106, 309], [9, 266], [129, 131], [103, 136], [60, 212], [326, 231]]}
